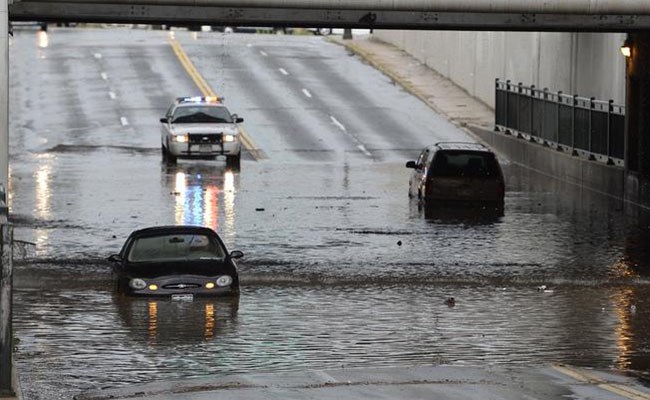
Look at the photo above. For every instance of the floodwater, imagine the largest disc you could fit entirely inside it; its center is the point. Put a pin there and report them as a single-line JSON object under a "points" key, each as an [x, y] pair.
{"points": [[340, 268], [326, 282]]}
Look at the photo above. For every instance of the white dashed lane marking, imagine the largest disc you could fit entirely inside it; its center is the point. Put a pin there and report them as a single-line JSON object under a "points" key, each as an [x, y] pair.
{"points": [[338, 123], [344, 129], [306, 93], [283, 71], [124, 121]]}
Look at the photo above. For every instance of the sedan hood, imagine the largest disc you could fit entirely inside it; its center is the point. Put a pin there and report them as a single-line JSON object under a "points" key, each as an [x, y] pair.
{"points": [[211, 267], [204, 128]]}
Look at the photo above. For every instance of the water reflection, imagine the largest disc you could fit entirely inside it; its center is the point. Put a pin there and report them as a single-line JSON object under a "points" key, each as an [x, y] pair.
{"points": [[199, 190], [473, 215], [162, 321], [43, 196], [625, 309], [42, 39]]}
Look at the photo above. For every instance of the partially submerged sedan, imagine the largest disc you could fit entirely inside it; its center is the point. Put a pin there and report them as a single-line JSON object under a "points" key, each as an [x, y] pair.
{"points": [[176, 261]]}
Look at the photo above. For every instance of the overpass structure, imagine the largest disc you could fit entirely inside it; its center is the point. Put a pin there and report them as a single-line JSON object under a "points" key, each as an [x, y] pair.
{"points": [[528, 15]]}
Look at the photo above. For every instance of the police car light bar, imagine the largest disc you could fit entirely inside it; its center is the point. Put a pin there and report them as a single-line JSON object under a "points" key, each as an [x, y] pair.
{"points": [[201, 99]]}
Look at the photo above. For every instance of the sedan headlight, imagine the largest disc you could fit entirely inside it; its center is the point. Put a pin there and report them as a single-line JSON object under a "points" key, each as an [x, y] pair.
{"points": [[228, 138], [180, 138], [224, 280], [137, 283]]}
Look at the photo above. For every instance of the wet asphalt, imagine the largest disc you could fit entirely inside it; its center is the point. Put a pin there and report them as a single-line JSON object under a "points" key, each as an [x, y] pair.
{"points": [[341, 269]]}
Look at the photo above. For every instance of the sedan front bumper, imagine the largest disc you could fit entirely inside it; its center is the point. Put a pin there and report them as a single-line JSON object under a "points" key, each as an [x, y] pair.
{"points": [[204, 150], [196, 285]]}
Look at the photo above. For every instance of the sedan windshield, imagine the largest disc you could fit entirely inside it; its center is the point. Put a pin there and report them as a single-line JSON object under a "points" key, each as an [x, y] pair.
{"points": [[202, 114], [183, 247]]}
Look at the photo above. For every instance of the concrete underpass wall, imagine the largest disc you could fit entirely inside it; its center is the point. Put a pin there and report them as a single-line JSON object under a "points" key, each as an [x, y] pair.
{"points": [[586, 174], [588, 64]]}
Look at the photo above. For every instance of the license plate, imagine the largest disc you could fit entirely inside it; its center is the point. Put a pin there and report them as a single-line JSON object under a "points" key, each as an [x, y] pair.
{"points": [[205, 148], [183, 297]]}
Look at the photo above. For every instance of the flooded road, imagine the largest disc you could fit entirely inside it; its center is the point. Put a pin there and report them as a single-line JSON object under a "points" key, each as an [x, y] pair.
{"points": [[340, 268]]}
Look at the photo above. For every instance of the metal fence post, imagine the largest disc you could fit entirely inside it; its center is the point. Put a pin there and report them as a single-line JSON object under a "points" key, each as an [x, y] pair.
{"points": [[519, 89], [531, 96], [558, 101], [610, 108], [545, 99], [573, 124], [591, 133], [507, 116], [6, 331], [496, 103]]}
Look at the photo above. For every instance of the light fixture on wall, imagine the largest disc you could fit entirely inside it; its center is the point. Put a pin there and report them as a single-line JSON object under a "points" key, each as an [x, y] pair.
{"points": [[626, 49]]}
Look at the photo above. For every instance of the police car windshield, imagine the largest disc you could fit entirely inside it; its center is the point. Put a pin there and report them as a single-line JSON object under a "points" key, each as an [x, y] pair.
{"points": [[201, 114]]}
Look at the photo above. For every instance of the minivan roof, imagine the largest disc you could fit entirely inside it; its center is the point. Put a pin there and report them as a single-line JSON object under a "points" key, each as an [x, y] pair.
{"points": [[461, 146]]}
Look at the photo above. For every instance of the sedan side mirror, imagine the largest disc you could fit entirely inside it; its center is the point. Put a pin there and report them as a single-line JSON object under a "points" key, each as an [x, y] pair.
{"points": [[236, 254], [237, 118], [163, 120], [411, 164], [115, 258]]}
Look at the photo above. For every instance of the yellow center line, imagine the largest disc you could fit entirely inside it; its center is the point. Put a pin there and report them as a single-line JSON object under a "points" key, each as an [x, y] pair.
{"points": [[206, 90], [616, 388]]}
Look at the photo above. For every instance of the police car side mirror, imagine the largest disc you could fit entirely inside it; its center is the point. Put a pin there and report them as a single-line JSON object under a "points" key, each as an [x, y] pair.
{"points": [[163, 120], [411, 164], [236, 254], [115, 258], [239, 119]]}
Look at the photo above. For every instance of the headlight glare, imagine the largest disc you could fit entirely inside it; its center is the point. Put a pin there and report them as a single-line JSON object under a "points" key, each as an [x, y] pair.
{"points": [[181, 138], [224, 280], [137, 284], [209, 285], [228, 138], [153, 287]]}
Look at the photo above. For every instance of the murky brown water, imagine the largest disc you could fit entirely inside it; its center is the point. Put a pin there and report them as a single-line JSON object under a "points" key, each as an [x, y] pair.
{"points": [[326, 284]]}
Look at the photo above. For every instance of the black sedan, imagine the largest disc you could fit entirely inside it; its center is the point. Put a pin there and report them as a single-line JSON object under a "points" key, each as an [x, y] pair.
{"points": [[176, 261]]}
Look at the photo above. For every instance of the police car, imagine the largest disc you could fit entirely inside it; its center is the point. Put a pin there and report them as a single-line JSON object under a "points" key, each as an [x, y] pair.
{"points": [[200, 127]]}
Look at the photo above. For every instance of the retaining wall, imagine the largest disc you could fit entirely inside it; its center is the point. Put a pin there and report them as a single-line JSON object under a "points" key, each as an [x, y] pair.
{"points": [[588, 64]]}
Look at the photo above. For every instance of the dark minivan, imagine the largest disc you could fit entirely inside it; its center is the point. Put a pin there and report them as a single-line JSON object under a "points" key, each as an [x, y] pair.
{"points": [[457, 173]]}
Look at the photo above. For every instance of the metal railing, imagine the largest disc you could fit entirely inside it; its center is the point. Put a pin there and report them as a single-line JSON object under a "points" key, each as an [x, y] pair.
{"points": [[582, 126]]}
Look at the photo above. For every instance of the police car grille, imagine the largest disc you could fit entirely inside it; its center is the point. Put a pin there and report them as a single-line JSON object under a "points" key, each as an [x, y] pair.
{"points": [[205, 138], [182, 286]]}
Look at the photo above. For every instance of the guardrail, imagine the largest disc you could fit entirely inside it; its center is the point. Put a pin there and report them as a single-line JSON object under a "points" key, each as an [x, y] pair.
{"points": [[582, 126]]}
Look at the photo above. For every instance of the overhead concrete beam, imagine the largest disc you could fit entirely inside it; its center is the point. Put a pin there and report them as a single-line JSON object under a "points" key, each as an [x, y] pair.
{"points": [[586, 7], [71, 11]]}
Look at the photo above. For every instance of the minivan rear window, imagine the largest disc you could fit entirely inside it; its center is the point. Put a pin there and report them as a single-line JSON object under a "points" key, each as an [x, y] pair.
{"points": [[464, 164]]}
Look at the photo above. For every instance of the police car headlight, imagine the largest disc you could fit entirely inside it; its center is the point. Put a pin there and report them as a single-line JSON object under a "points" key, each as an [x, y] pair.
{"points": [[224, 280], [228, 138], [181, 138], [137, 284]]}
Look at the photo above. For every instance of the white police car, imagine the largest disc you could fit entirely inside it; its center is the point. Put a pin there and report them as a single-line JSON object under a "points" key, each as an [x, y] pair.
{"points": [[200, 127]]}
